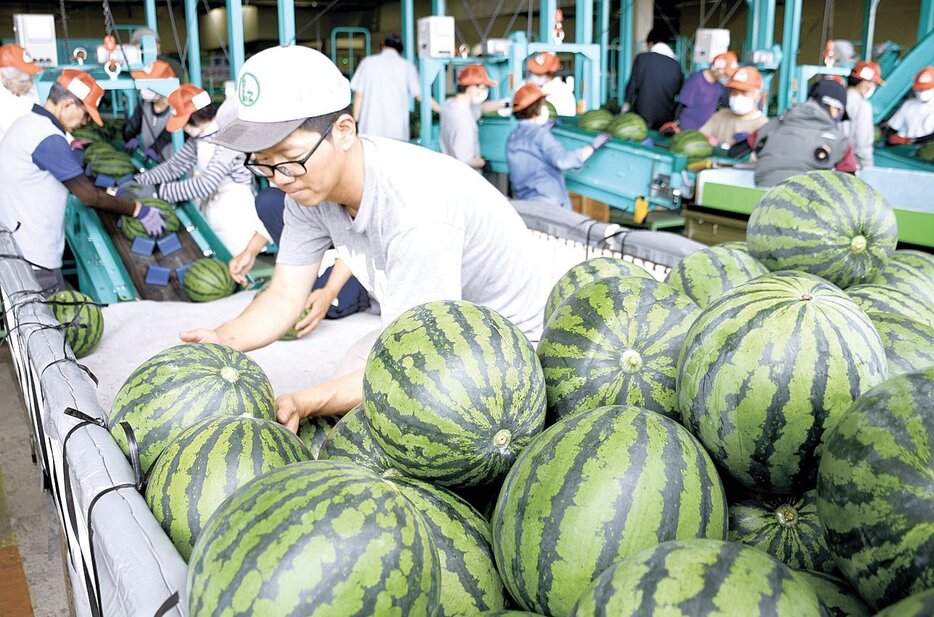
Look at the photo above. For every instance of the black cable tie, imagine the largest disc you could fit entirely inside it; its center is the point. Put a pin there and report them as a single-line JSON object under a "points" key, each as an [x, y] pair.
{"points": [[170, 603], [133, 446]]}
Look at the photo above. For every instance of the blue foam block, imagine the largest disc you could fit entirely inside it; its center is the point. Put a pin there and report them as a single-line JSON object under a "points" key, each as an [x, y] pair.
{"points": [[648, 141], [157, 275], [169, 244], [104, 181], [180, 272], [87, 169], [124, 179], [143, 246]]}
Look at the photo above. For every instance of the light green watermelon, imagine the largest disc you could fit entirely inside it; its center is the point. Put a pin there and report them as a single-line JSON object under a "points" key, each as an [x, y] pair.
{"points": [[628, 127], [919, 605], [883, 299], [595, 120], [704, 276], [588, 272], [908, 344], [911, 272]]}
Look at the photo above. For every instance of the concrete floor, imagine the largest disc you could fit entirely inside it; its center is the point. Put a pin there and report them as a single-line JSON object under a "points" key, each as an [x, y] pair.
{"points": [[32, 577]]}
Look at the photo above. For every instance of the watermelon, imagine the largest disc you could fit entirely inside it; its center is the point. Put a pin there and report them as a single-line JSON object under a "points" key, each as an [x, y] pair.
{"points": [[883, 299], [629, 126], [469, 580], [595, 120], [114, 165], [88, 133], [131, 227], [209, 461], [691, 143], [709, 273], [507, 613], [552, 112], [784, 527], [919, 605], [908, 343], [836, 596], [830, 224], [316, 538], [181, 385], [588, 272], [875, 490], [615, 342], [734, 245], [453, 392], [82, 318], [594, 488], [313, 431], [926, 152], [351, 440], [768, 368], [697, 578], [208, 279], [96, 149], [911, 272]]}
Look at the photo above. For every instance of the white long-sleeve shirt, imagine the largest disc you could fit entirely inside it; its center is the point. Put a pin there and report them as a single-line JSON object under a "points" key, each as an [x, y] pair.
{"points": [[859, 128]]}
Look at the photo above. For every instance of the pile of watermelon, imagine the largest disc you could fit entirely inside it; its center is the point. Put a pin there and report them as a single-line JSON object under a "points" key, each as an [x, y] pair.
{"points": [[627, 126], [753, 436]]}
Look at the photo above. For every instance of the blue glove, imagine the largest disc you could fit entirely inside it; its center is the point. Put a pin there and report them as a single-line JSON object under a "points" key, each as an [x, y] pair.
{"points": [[149, 153], [131, 145], [551, 124], [599, 141], [152, 220]]}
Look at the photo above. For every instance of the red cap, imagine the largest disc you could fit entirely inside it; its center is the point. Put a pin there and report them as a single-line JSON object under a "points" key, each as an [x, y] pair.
{"points": [[185, 101], [526, 96], [160, 69], [924, 80], [475, 75], [543, 63], [727, 63], [746, 79], [867, 71], [85, 88], [12, 55]]}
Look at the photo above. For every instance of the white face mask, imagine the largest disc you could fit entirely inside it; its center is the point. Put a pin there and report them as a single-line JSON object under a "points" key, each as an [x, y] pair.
{"points": [[148, 95], [869, 92], [723, 78], [542, 118], [480, 96], [538, 80], [193, 131], [742, 105], [925, 96]]}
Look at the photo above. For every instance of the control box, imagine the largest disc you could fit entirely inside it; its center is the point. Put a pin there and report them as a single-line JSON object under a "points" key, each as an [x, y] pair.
{"points": [[36, 34], [436, 37], [708, 44]]}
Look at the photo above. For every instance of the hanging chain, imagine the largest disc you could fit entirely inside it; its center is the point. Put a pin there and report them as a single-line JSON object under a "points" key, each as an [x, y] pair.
{"points": [[64, 19], [108, 17]]}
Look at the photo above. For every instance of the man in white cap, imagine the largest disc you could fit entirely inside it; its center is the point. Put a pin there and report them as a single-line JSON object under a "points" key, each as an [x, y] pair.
{"points": [[16, 72], [411, 224]]}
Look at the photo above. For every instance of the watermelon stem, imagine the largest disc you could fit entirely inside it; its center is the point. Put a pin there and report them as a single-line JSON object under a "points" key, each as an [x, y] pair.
{"points": [[858, 244], [786, 515], [502, 438], [807, 297], [632, 361], [230, 374]]}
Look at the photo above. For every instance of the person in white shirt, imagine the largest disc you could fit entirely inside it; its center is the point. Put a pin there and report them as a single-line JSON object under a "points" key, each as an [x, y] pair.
{"points": [[460, 136], [862, 82], [914, 120], [16, 72], [543, 72]]}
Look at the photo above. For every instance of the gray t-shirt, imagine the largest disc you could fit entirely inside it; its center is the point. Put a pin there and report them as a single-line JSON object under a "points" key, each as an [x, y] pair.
{"points": [[388, 82], [460, 136], [428, 228]]}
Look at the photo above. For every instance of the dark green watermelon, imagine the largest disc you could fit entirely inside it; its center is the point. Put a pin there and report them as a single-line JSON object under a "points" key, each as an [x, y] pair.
{"points": [[131, 227], [836, 596], [208, 279], [919, 605], [351, 440], [82, 318], [884, 299], [588, 272], [595, 120], [313, 431], [692, 144]]}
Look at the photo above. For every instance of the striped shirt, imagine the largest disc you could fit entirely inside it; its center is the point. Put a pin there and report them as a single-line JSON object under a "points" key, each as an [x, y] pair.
{"points": [[203, 181]]}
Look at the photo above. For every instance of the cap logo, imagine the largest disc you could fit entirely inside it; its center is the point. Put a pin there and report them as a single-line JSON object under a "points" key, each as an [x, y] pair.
{"points": [[248, 90], [78, 88], [925, 79], [867, 73], [540, 59], [201, 100], [27, 57], [741, 75]]}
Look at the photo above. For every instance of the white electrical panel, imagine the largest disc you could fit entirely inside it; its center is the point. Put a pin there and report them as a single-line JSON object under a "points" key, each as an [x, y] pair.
{"points": [[126, 55], [36, 34], [436, 37], [710, 43]]}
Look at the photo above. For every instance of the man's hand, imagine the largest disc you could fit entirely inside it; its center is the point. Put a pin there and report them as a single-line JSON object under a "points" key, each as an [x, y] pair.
{"points": [[288, 411], [318, 303], [201, 335]]}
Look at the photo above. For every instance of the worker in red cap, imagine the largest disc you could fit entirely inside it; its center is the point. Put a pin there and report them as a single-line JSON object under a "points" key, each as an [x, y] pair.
{"points": [[40, 169], [702, 93], [743, 117], [914, 120], [536, 160], [460, 136], [145, 128], [543, 72], [859, 128], [16, 72], [208, 174]]}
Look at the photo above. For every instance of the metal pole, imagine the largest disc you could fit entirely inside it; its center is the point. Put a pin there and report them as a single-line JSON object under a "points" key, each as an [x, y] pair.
{"points": [[286, 22], [194, 45], [603, 38], [546, 19], [766, 24], [869, 26], [439, 7], [791, 32], [583, 34], [926, 21], [624, 67], [151, 15], [752, 18], [408, 30], [235, 36]]}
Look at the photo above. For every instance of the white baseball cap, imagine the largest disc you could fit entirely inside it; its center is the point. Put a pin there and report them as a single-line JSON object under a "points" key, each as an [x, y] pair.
{"points": [[278, 89]]}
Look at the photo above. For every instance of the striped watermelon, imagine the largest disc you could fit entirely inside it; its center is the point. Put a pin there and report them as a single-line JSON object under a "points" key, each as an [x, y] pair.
{"points": [[469, 580], [830, 224], [82, 318], [882, 299], [769, 367], [181, 385], [919, 605], [131, 227], [453, 392], [908, 344], [692, 144], [875, 490], [628, 127], [313, 431], [595, 120], [699, 578], [95, 149], [734, 245], [351, 440], [709, 273], [836, 596], [594, 488], [911, 272], [507, 613], [317, 538], [209, 461], [784, 527], [588, 272], [115, 165], [208, 279], [615, 342]]}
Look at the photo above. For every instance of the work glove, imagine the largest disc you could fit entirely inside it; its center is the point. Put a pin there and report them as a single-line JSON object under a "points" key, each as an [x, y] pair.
{"points": [[599, 141], [149, 153], [148, 190], [669, 128], [152, 220], [131, 145]]}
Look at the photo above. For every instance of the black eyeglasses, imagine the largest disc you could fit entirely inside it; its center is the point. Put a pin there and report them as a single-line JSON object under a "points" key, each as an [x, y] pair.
{"points": [[289, 169]]}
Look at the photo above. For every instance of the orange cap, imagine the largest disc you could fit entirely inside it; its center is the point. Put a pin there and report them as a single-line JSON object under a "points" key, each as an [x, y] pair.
{"points": [[867, 71], [543, 63], [924, 80], [12, 55], [746, 79], [185, 101], [475, 75], [160, 69], [526, 96], [85, 88], [727, 63]]}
